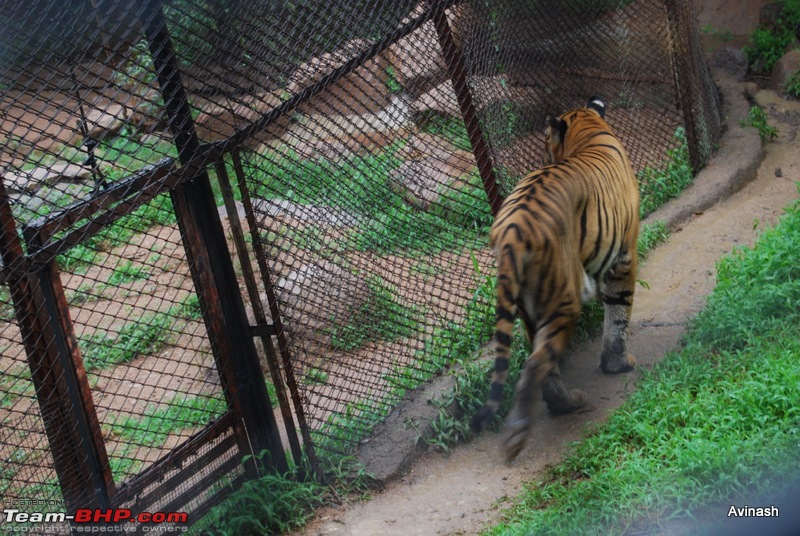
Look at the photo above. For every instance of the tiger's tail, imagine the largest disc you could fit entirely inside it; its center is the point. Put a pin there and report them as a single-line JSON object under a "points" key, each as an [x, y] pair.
{"points": [[510, 264]]}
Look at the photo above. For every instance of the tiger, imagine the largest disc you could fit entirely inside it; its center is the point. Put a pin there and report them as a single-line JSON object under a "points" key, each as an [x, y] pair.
{"points": [[566, 233]]}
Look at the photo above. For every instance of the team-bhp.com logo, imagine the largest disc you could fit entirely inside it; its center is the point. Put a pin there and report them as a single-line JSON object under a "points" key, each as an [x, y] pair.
{"points": [[94, 520]]}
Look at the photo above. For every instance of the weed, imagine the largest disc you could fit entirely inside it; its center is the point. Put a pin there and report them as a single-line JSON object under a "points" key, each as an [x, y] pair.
{"points": [[792, 87], [657, 185], [650, 236], [158, 421], [127, 272], [391, 80], [767, 45], [315, 375], [723, 35], [758, 119]]}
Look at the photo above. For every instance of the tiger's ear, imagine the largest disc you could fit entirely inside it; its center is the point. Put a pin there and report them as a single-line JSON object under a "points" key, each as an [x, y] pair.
{"points": [[598, 105], [557, 128]]}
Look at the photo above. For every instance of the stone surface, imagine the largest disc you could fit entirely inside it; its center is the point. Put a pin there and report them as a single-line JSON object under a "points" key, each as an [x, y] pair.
{"points": [[431, 166], [784, 69], [364, 90], [731, 60], [315, 299], [218, 122]]}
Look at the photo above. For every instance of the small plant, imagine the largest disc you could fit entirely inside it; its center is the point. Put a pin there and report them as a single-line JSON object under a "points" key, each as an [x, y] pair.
{"points": [[382, 317], [650, 236], [792, 87], [127, 272], [723, 35], [657, 185], [270, 504], [315, 375], [768, 45], [391, 80], [758, 119]]}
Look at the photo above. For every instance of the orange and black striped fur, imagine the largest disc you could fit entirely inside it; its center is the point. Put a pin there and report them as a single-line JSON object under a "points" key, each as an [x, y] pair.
{"points": [[566, 232]]}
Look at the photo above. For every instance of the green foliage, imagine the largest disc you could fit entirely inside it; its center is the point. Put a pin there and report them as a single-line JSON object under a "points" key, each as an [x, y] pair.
{"points": [[362, 184], [758, 119], [448, 127], [723, 35], [657, 185], [81, 257], [792, 87], [127, 272], [270, 504], [158, 421], [714, 422], [148, 334], [650, 236], [391, 80], [767, 46], [757, 290]]}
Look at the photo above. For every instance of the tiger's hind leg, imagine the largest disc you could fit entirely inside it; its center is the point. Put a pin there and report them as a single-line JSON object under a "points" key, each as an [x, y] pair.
{"points": [[559, 400], [617, 295], [550, 343]]}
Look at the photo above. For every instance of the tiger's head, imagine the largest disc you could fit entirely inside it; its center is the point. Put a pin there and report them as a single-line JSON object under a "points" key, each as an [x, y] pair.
{"points": [[563, 133]]}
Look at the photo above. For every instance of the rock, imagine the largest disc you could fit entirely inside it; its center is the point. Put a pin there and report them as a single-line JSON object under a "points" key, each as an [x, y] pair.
{"points": [[316, 300], [364, 90], [440, 99], [784, 69], [106, 122], [32, 180], [317, 136], [221, 121], [432, 165], [770, 15], [731, 60]]}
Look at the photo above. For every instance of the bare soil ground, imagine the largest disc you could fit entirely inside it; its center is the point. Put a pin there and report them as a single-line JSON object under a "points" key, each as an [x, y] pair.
{"points": [[461, 492]]}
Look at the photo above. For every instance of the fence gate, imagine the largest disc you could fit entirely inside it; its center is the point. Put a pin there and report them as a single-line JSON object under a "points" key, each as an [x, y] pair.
{"points": [[234, 233]]}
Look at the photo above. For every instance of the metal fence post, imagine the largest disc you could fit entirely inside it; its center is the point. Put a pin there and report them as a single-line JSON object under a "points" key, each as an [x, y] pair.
{"points": [[684, 76], [57, 372], [457, 70], [210, 261]]}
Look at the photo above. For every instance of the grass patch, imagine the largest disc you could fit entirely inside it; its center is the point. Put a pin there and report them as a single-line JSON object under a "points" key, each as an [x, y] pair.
{"points": [[767, 45], [156, 423], [149, 334], [657, 185], [716, 421], [270, 504], [758, 119]]}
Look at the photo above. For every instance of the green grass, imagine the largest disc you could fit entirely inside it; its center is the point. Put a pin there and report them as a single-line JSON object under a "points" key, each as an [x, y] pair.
{"points": [[766, 46], [148, 334], [659, 184], [716, 421], [758, 119], [156, 423], [362, 186], [270, 504], [127, 272]]}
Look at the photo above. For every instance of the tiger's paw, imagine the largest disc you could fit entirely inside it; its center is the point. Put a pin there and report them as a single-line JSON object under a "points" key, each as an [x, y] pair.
{"points": [[480, 421], [575, 401], [515, 438], [617, 365]]}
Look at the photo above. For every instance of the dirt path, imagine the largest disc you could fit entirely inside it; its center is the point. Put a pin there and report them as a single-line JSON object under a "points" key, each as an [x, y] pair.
{"points": [[460, 492]]}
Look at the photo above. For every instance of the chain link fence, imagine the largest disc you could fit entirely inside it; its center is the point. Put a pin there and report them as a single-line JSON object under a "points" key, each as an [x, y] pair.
{"points": [[234, 227]]}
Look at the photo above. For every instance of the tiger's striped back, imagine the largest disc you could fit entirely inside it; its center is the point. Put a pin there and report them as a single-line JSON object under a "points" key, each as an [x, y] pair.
{"points": [[564, 231]]}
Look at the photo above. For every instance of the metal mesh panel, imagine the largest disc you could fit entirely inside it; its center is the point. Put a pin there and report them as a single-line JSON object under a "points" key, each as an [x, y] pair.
{"points": [[318, 176]]}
